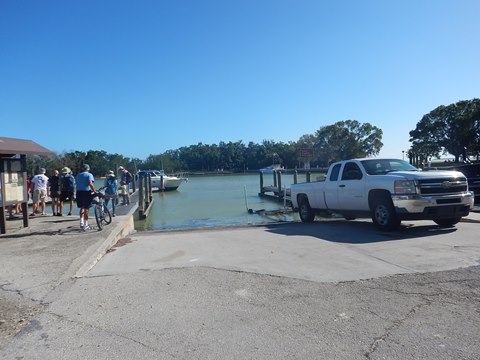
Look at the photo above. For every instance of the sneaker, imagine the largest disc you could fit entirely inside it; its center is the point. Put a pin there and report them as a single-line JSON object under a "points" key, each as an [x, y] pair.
{"points": [[32, 214], [69, 214], [54, 214], [59, 214], [86, 227]]}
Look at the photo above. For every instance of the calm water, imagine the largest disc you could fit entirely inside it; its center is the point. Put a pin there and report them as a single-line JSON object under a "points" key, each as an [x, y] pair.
{"points": [[210, 201]]}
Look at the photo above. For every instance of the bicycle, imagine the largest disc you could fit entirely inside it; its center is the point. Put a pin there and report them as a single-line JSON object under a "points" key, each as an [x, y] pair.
{"points": [[102, 214]]}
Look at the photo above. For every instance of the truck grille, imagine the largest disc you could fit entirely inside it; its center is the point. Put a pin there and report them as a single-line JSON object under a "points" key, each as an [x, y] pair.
{"points": [[442, 186]]}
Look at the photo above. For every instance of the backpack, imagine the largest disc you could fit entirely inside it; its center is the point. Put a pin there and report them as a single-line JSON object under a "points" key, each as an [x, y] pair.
{"points": [[128, 177], [111, 186], [68, 183]]}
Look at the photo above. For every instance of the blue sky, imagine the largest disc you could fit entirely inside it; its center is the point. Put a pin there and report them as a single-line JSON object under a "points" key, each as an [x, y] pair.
{"points": [[142, 77]]}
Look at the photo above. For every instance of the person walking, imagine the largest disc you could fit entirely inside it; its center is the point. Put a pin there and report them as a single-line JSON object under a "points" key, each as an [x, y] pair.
{"points": [[67, 190], [111, 190], [39, 189], [85, 188], [54, 188], [125, 180]]}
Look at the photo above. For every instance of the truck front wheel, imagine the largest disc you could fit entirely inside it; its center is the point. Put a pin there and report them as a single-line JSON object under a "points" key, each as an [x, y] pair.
{"points": [[306, 213], [384, 215]]}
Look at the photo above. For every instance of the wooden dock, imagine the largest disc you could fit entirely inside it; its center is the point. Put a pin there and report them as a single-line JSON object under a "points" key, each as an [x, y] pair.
{"points": [[278, 191]]}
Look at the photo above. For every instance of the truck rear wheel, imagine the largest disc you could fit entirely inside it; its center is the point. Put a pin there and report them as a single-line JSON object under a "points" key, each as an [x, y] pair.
{"points": [[307, 215], [384, 215], [447, 222]]}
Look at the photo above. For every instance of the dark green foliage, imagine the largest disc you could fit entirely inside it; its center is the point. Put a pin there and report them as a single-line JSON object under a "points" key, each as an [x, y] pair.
{"points": [[346, 140], [453, 129]]}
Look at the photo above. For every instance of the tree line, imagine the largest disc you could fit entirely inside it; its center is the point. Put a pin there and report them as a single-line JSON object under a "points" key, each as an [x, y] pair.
{"points": [[452, 129], [344, 139]]}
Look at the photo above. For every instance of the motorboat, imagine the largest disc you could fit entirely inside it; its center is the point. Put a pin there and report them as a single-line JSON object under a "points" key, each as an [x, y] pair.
{"points": [[270, 169], [162, 181]]}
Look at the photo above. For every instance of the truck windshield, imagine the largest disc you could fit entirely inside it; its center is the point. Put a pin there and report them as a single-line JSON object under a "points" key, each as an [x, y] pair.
{"points": [[384, 166]]}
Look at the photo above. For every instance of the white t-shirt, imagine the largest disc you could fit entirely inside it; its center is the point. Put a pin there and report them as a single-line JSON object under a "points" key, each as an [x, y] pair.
{"points": [[40, 182]]}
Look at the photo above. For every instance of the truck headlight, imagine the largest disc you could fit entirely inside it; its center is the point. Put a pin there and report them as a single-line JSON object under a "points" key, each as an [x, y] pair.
{"points": [[405, 187]]}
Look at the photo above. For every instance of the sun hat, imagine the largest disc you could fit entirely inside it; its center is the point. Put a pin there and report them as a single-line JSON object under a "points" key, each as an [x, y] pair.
{"points": [[42, 171], [120, 168], [110, 173], [65, 170]]}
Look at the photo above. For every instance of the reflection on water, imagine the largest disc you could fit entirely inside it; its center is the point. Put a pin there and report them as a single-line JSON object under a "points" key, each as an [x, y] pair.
{"points": [[211, 201]]}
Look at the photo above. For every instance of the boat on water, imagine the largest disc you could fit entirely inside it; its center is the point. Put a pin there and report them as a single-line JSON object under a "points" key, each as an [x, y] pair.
{"points": [[270, 169], [162, 181]]}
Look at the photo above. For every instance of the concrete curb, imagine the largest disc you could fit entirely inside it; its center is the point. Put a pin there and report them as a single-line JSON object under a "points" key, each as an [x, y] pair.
{"points": [[97, 251]]}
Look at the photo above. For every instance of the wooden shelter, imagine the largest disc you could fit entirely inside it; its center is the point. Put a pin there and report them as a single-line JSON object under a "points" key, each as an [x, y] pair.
{"points": [[13, 175]]}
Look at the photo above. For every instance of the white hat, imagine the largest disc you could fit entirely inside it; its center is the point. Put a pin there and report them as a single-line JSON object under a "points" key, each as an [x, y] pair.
{"points": [[120, 168]]}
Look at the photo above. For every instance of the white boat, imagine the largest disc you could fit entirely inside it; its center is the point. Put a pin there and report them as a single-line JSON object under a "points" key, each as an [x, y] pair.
{"points": [[161, 181], [270, 169]]}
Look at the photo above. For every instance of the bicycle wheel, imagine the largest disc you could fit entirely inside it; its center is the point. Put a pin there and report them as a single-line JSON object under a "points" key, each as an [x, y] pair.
{"points": [[99, 216], [107, 217]]}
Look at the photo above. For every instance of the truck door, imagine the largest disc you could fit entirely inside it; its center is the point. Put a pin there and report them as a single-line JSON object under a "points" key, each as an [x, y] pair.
{"points": [[331, 187], [351, 188]]}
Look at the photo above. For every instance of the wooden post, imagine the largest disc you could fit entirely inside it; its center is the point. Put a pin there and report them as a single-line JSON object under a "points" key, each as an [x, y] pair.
{"points": [[150, 190], [307, 174], [146, 184], [162, 186], [23, 164], [261, 184], [141, 198], [279, 182], [274, 178], [25, 214], [133, 182], [295, 176], [3, 220]]}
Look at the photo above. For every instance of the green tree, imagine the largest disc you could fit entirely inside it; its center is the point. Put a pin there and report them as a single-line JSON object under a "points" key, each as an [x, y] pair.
{"points": [[453, 129], [347, 139]]}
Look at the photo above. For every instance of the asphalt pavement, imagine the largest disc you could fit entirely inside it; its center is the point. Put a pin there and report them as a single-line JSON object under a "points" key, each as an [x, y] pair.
{"points": [[269, 292]]}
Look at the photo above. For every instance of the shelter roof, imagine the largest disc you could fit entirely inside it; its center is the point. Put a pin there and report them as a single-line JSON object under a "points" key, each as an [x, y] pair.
{"points": [[11, 146]]}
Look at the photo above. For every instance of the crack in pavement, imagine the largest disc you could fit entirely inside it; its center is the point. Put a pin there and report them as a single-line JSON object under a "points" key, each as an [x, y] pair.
{"points": [[395, 325], [35, 325]]}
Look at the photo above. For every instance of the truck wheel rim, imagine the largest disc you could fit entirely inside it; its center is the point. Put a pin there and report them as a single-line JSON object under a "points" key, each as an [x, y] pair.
{"points": [[304, 211], [381, 214]]}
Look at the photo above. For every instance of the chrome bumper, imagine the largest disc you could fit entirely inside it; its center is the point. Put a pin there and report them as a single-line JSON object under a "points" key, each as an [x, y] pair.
{"points": [[418, 204]]}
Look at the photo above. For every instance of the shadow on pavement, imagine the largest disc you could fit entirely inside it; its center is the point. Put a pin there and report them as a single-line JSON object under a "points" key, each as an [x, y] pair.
{"points": [[354, 232]]}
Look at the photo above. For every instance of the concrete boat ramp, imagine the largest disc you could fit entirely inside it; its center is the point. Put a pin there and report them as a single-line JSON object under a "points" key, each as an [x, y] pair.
{"points": [[325, 251], [329, 290]]}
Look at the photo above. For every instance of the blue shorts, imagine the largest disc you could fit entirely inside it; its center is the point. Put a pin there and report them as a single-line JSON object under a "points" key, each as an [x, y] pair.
{"points": [[84, 199]]}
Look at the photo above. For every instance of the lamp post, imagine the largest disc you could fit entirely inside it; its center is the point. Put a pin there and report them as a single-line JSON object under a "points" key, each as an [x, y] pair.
{"points": [[403, 154]]}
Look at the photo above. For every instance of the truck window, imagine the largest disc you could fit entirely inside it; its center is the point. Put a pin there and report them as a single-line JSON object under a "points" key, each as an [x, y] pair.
{"points": [[351, 171], [384, 166], [335, 172]]}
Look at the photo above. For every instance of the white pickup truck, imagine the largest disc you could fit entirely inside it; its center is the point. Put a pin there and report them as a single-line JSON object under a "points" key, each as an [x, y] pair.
{"points": [[387, 190]]}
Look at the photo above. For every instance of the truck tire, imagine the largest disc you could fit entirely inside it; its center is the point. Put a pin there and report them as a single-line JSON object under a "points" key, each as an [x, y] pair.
{"points": [[384, 215], [307, 215], [447, 222]]}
